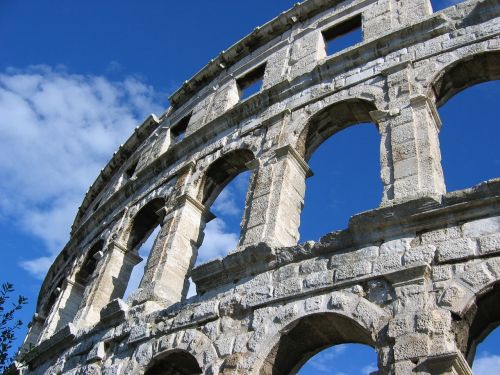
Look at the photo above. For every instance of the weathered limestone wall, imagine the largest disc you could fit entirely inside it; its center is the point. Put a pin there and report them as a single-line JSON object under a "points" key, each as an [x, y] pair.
{"points": [[415, 278]]}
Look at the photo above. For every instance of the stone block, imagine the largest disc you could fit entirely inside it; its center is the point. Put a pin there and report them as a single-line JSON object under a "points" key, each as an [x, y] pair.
{"points": [[289, 287], [419, 255], [482, 227], [224, 346], [318, 280], [459, 248], [411, 346], [400, 325], [489, 244], [440, 235], [441, 273], [352, 270], [388, 262]]}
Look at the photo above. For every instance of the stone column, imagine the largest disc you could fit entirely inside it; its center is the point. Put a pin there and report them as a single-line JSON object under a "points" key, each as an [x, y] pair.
{"points": [[410, 153], [422, 333], [110, 284], [275, 200], [34, 333], [173, 253], [66, 307]]}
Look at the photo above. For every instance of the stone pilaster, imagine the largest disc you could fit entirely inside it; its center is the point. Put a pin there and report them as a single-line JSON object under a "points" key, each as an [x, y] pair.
{"points": [[173, 253], [110, 284], [423, 339], [34, 333], [274, 204], [65, 308], [410, 155]]}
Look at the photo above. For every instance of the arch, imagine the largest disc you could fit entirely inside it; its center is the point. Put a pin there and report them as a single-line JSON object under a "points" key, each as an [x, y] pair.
{"points": [[308, 336], [221, 172], [474, 308], [341, 318], [192, 344], [485, 317], [463, 73], [330, 120], [86, 270], [174, 362], [144, 222]]}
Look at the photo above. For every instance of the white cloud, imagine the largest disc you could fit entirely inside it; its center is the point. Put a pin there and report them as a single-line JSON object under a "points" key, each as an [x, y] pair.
{"points": [[487, 365], [37, 267], [225, 203], [217, 242], [57, 130]]}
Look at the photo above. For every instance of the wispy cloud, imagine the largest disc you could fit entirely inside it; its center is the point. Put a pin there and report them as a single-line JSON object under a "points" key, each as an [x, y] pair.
{"points": [[227, 203], [57, 130], [486, 365], [217, 242]]}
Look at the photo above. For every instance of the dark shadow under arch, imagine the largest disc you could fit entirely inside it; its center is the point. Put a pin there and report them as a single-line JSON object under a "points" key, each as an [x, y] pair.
{"points": [[466, 73], [144, 222], [176, 362], [89, 265], [221, 172], [331, 120], [481, 319], [308, 336]]}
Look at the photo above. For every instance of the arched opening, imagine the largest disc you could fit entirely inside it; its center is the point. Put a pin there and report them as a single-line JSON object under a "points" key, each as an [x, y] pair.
{"points": [[309, 336], [338, 359], [144, 222], [345, 160], [144, 230], [89, 265], [138, 271], [479, 326], [174, 363], [222, 234], [72, 296], [487, 358], [470, 115], [223, 191], [221, 172]]}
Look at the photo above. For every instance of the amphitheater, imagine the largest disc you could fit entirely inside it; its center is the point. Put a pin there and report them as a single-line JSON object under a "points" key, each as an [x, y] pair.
{"points": [[416, 278]]}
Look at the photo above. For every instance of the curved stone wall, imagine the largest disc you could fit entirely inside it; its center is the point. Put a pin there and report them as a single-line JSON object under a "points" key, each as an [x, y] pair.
{"points": [[413, 278]]}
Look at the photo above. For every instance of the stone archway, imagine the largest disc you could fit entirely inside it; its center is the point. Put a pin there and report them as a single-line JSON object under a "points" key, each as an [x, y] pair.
{"points": [[175, 362], [307, 336]]}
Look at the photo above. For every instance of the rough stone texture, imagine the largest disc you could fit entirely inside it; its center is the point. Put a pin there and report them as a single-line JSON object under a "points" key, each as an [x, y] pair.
{"points": [[415, 278]]}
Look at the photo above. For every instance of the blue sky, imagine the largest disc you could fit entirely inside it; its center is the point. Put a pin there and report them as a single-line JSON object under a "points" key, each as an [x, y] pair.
{"points": [[77, 77]]}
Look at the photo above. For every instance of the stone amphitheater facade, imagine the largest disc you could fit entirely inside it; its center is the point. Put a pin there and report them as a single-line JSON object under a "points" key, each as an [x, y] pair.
{"points": [[416, 278]]}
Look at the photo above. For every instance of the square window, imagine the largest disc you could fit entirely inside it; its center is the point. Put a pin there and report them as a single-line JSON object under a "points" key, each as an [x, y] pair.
{"points": [[251, 83], [178, 130], [343, 35]]}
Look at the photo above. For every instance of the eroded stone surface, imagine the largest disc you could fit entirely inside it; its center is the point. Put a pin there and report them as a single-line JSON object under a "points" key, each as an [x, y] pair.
{"points": [[415, 278]]}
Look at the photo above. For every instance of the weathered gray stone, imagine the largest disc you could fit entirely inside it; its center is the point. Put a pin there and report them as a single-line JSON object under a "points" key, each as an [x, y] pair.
{"points": [[407, 277]]}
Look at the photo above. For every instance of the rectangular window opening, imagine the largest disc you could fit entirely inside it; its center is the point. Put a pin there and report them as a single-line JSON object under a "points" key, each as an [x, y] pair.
{"points": [[251, 83], [344, 35], [178, 131], [129, 172]]}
